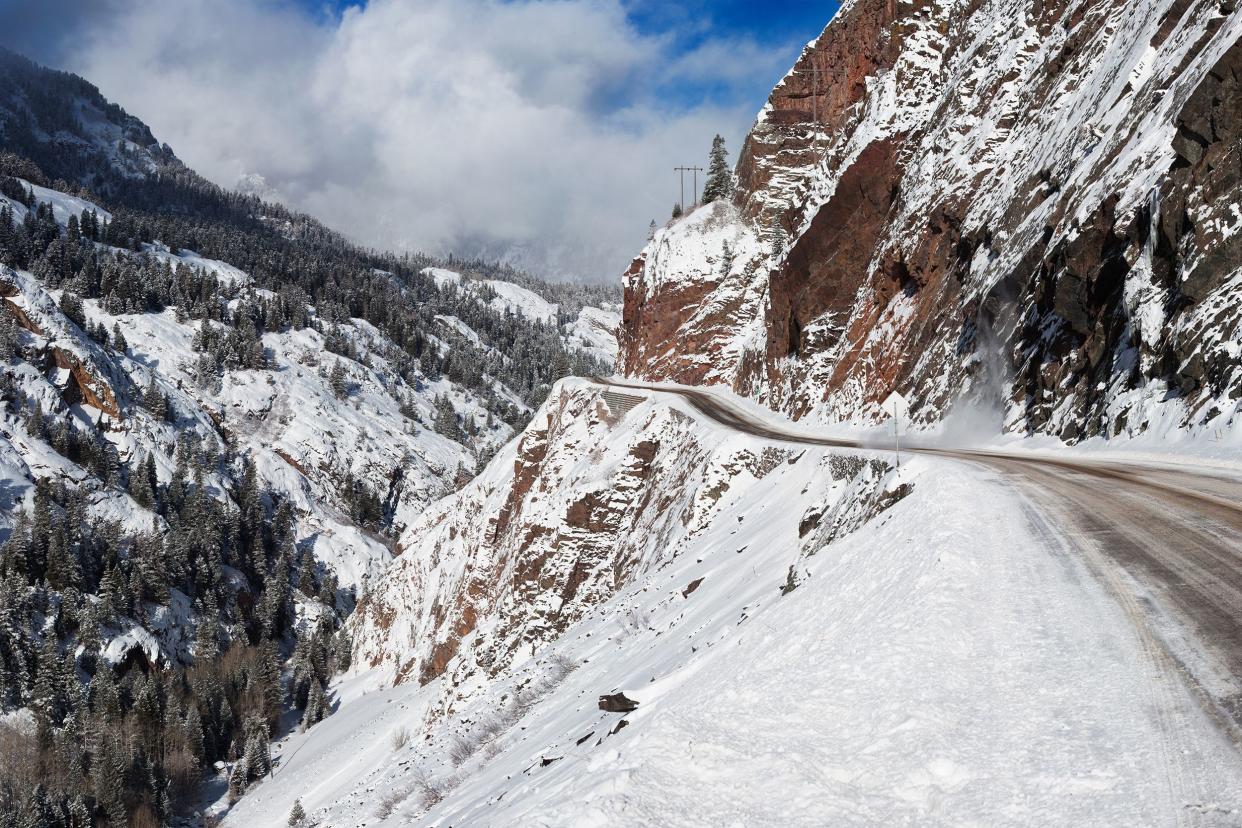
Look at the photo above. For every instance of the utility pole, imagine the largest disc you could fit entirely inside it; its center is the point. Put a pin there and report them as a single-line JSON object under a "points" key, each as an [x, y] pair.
{"points": [[815, 70], [897, 436], [682, 171], [893, 406]]}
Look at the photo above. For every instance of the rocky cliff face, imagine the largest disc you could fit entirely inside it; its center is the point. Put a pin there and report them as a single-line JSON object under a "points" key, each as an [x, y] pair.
{"points": [[591, 499], [1027, 201]]}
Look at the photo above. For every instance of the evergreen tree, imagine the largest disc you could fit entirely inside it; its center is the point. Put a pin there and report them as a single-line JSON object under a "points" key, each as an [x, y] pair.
{"points": [[206, 636], [446, 419], [108, 770], [36, 425], [316, 706], [297, 815], [119, 343], [339, 380], [193, 729], [112, 595], [71, 306], [48, 699], [63, 569], [140, 484], [9, 335], [719, 177], [79, 813], [153, 400]]}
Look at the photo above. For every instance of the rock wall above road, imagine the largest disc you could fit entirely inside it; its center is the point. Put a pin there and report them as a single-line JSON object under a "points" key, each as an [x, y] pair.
{"points": [[1031, 203]]}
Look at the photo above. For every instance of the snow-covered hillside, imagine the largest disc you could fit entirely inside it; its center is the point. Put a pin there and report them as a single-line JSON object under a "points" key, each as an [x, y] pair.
{"points": [[904, 678], [595, 332], [592, 332], [502, 296], [306, 439], [85, 126], [196, 459], [217, 418]]}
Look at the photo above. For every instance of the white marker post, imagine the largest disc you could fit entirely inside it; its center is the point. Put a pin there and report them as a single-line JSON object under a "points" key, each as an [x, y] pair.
{"points": [[893, 406]]}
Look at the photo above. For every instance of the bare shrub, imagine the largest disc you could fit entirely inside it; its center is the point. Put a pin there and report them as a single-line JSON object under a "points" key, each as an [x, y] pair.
{"points": [[523, 698], [389, 801], [634, 621], [490, 727], [183, 773], [559, 667], [144, 817], [19, 756], [431, 792], [400, 737], [462, 748]]}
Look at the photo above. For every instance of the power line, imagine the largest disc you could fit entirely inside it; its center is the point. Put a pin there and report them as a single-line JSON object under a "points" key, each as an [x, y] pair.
{"points": [[682, 171]]}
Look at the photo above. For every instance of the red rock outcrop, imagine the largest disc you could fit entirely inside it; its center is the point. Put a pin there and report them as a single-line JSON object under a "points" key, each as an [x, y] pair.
{"points": [[1018, 200], [586, 503], [83, 386]]}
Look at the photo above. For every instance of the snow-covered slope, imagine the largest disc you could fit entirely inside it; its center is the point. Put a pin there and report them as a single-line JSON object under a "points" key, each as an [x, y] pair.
{"points": [[312, 445], [504, 296], [43, 112], [217, 418], [1029, 204], [63, 205], [907, 677], [595, 332]]}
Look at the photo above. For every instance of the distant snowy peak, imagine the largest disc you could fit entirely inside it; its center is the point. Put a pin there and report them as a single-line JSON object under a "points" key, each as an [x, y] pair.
{"points": [[1027, 204]]}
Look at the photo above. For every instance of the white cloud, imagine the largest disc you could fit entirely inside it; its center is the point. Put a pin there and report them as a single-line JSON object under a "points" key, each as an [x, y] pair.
{"points": [[471, 126]]}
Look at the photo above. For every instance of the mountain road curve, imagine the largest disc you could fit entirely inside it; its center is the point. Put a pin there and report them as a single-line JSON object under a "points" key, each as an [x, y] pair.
{"points": [[1165, 540]]}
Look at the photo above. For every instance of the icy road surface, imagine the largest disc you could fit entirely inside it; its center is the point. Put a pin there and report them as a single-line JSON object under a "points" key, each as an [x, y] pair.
{"points": [[1166, 541]]}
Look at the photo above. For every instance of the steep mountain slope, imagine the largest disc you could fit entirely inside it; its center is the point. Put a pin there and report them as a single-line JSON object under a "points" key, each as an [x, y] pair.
{"points": [[62, 124], [1032, 203], [217, 417], [589, 500]]}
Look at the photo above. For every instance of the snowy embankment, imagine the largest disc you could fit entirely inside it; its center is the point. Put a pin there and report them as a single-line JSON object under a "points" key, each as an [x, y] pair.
{"points": [[947, 661], [1165, 443]]}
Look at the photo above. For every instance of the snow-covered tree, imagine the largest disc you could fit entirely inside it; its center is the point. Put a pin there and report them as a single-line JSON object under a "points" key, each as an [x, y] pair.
{"points": [[719, 177]]}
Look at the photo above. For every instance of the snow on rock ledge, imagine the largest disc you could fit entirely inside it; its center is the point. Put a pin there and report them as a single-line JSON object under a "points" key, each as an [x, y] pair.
{"points": [[583, 504]]}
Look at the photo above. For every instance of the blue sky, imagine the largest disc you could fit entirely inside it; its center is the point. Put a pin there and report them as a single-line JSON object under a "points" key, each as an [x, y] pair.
{"points": [[541, 132]]}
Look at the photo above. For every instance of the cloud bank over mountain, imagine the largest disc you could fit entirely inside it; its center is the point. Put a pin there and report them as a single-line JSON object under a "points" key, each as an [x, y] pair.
{"points": [[542, 132]]}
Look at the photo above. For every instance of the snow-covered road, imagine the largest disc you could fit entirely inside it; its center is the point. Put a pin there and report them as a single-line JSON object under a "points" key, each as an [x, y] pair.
{"points": [[1166, 540]]}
